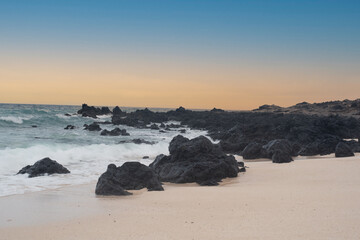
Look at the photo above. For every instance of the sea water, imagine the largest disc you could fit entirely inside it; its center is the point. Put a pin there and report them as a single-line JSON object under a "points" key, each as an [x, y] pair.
{"points": [[29, 133]]}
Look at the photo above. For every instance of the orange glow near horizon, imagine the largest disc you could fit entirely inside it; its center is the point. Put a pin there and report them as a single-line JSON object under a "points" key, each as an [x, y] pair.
{"points": [[164, 85]]}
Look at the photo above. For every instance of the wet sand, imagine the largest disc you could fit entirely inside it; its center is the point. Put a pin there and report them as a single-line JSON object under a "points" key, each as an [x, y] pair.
{"points": [[306, 199]]}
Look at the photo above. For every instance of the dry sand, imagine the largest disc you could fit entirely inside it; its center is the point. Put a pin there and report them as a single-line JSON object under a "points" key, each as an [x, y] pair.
{"points": [[306, 199]]}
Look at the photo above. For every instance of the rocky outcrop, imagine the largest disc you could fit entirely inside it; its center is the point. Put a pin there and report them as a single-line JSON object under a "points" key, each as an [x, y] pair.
{"points": [[117, 111], [91, 111], [196, 160], [42, 167], [279, 150], [130, 176], [343, 150], [115, 132]]}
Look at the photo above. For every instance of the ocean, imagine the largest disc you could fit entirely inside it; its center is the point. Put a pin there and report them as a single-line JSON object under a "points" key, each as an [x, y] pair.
{"points": [[29, 133]]}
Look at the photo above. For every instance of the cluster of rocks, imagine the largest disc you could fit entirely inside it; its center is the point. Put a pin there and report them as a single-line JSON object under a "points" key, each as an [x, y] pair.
{"points": [[93, 112], [115, 132], [306, 134], [196, 160]]}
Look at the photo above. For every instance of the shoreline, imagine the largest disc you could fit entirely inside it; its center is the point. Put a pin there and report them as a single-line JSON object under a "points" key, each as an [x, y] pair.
{"points": [[312, 199]]}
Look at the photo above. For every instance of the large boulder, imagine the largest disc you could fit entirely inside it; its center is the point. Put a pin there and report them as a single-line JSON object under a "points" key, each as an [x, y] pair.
{"points": [[196, 160], [130, 176], [343, 150], [42, 167]]}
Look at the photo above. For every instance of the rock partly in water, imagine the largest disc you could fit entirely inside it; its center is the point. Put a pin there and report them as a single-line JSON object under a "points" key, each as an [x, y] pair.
{"points": [[90, 111], [115, 132], [92, 127], [343, 150], [42, 167], [69, 127], [196, 160], [138, 141], [154, 127], [130, 176]]}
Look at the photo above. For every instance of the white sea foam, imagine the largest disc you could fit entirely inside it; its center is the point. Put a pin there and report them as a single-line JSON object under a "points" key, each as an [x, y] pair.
{"points": [[86, 163], [16, 119], [86, 154]]}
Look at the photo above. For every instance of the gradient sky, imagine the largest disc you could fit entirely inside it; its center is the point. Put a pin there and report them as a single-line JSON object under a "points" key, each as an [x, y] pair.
{"points": [[195, 53]]}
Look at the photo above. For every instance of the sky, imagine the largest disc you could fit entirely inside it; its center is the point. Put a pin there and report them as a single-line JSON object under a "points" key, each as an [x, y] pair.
{"points": [[234, 55]]}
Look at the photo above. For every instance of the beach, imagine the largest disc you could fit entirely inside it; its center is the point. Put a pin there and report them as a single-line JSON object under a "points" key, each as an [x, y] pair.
{"points": [[310, 198]]}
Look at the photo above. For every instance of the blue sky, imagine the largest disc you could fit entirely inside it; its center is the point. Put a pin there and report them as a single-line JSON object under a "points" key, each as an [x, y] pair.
{"points": [[226, 34]]}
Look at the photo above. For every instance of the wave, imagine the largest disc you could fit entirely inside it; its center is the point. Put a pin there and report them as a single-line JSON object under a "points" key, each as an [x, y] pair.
{"points": [[86, 163], [16, 119]]}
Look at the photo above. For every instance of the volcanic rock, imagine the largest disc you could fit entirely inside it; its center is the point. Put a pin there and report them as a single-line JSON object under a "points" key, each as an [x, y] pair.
{"points": [[130, 176], [42, 167], [196, 160], [343, 150]]}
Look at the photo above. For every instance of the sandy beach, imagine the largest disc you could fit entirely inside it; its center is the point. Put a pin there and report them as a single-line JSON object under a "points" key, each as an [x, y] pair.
{"points": [[306, 199]]}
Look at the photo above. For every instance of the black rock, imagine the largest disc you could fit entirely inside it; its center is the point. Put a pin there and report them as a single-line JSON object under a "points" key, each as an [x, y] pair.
{"points": [[42, 167], [91, 111], [323, 146], [217, 110], [117, 111], [310, 149], [343, 150], [196, 160], [210, 182], [145, 157], [254, 150], [68, 115], [241, 164], [182, 130], [281, 145], [138, 141], [115, 132], [105, 111], [92, 127], [34, 126], [154, 127], [130, 176], [281, 157], [242, 169], [180, 110], [69, 127]]}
